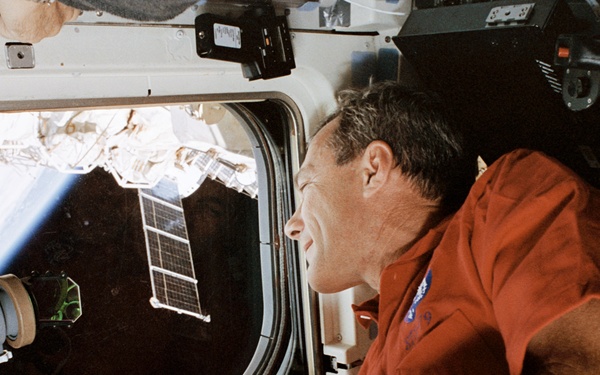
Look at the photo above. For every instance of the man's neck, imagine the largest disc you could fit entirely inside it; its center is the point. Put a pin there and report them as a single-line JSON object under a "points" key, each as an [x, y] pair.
{"points": [[398, 232]]}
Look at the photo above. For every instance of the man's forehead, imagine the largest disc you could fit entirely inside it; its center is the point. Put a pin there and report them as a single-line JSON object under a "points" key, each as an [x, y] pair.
{"points": [[317, 147], [326, 129], [320, 140]]}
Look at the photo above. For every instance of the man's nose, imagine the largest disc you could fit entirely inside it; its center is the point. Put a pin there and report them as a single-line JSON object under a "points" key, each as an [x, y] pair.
{"points": [[295, 225]]}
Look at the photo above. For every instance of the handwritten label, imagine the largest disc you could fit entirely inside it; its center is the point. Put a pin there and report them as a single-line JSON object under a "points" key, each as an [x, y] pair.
{"points": [[227, 36]]}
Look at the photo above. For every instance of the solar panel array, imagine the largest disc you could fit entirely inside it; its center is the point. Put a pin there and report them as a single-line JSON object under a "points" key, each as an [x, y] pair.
{"points": [[174, 283]]}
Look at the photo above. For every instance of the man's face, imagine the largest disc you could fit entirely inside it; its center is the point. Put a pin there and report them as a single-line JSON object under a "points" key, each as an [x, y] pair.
{"points": [[327, 222]]}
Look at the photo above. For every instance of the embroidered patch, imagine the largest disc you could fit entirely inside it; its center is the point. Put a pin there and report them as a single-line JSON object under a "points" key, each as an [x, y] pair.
{"points": [[421, 293]]}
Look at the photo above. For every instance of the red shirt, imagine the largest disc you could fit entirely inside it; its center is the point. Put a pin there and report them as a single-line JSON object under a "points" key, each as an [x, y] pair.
{"points": [[468, 297]]}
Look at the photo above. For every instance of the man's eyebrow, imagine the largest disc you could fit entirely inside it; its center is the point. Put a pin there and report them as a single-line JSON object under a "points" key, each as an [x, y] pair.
{"points": [[296, 179], [298, 175]]}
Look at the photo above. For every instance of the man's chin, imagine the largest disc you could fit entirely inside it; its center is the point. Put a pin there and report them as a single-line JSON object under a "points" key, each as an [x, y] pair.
{"points": [[323, 286]]}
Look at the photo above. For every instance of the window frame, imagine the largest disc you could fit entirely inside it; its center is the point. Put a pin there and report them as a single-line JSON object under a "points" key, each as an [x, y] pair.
{"points": [[290, 330]]}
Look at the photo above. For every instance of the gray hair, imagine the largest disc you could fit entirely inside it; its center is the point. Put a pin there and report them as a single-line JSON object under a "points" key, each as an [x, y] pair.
{"points": [[428, 146]]}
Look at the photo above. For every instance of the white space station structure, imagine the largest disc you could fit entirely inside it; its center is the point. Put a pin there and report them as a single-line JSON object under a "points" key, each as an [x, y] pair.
{"points": [[137, 146]]}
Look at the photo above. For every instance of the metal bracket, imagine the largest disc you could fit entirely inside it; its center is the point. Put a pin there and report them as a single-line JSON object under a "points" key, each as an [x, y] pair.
{"points": [[19, 56], [509, 14], [581, 88], [580, 56]]}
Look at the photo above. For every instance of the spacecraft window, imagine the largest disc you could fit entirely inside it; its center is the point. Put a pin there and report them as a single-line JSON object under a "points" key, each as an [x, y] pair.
{"points": [[71, 183]]}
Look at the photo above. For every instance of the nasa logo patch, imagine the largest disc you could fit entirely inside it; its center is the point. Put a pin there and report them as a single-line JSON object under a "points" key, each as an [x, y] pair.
{"points": [[421, 293]]}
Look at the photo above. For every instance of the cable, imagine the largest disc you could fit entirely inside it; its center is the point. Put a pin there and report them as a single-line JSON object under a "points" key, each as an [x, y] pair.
{"points": [[375, 9]]}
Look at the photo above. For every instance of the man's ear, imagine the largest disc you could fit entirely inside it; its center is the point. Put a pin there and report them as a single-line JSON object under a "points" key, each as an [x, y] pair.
{"points": [[376, 166]]}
